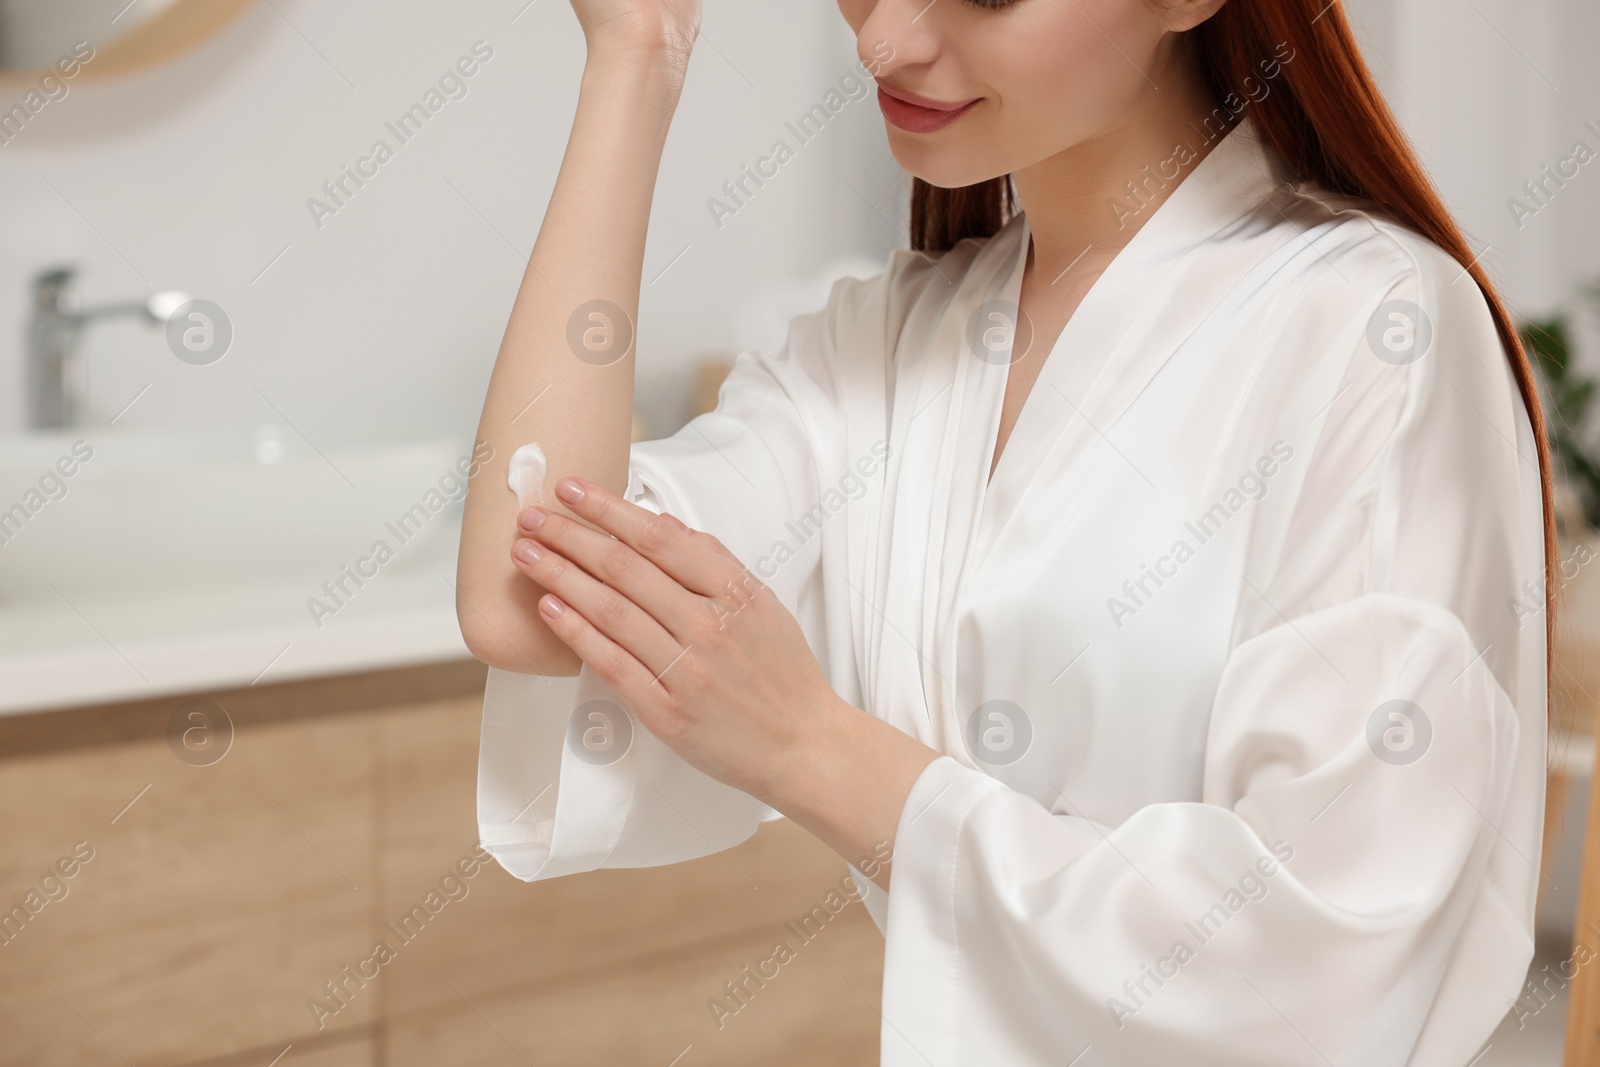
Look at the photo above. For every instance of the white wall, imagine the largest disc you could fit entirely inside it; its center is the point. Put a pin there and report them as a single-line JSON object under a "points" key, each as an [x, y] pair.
{"points": [[382, 324], [1491, 91]]}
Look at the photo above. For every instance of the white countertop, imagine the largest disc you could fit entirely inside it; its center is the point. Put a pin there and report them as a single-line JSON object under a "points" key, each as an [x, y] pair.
{"points": [[133, 647], [94, 650]]}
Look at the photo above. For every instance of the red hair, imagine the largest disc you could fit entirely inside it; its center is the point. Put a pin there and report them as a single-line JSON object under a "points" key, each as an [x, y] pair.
{"points": [[1326, 118]]}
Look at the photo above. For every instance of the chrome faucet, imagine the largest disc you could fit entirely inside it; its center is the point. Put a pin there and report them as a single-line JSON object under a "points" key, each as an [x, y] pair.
{"points": [[58, 384]]}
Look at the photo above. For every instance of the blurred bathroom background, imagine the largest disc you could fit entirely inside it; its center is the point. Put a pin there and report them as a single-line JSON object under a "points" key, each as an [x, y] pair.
{"points": [[339, 310]]}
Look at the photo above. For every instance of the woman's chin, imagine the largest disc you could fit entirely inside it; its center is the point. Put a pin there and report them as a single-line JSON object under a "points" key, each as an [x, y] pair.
{"points": [[943, 168]]}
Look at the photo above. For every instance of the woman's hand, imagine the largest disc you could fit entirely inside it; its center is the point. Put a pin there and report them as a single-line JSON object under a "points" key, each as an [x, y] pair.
{"points": [[667, 27], [702, 651], [717, 668]]}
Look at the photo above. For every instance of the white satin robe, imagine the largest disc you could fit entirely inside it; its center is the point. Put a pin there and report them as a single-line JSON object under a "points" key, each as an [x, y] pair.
{"points": [[1198, 833]]}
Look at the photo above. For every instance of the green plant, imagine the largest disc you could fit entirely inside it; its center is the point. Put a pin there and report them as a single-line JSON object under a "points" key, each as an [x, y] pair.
{"points": [[1568, 396]]}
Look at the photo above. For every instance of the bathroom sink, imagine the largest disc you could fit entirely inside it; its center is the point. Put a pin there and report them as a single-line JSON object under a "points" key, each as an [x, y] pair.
{"points": [[173, 511]]}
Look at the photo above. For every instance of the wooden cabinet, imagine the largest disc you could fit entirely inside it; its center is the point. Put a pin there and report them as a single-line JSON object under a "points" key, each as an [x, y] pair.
{"points": [[222, 900], [1583, 1011]]}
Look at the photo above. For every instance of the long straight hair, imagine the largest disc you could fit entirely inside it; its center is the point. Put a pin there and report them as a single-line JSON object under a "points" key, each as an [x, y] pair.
{"points": [[1326, 118]]}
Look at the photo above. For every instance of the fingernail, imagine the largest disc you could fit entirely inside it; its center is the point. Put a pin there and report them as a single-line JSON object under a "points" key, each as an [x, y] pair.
{"points": [[530, 519], [527, 551], [552, 607], [570, 490]]}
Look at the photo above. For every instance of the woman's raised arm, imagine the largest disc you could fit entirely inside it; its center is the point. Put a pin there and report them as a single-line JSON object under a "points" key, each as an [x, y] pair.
{"points": [[564, 375]]}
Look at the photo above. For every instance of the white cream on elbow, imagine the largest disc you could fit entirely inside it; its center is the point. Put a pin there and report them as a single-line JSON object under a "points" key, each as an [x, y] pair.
{"points": [[525, 475]]}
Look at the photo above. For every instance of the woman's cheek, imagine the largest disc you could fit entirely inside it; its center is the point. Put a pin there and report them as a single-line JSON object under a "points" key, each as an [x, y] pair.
{"points": [[1077, 68]]}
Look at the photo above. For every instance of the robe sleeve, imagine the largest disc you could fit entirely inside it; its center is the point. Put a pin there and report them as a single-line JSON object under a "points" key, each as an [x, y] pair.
{"points": [[1356, 884], [573, 783]]}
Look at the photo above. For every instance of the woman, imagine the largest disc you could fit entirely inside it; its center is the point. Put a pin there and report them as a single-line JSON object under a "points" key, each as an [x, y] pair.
{"points": [[1142, 572]]}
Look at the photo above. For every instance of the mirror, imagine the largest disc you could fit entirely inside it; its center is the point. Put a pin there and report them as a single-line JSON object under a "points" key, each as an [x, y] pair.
{"points": [[105, 37]]}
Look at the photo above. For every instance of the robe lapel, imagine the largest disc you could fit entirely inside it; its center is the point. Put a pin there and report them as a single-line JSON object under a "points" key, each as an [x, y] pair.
{"points": [[936, 515], [905, 553], [1157, 292]]}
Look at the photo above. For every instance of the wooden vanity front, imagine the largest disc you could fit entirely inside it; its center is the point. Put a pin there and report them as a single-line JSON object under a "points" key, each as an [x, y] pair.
{"points": [[224, 901]]}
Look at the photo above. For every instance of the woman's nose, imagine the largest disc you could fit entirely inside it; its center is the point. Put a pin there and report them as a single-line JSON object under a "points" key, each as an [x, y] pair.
{"points": [[898, 34]]}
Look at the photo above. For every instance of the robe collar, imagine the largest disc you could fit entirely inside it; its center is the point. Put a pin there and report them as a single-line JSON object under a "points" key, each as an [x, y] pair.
{"points": [[938, 518], [1118, 339]]}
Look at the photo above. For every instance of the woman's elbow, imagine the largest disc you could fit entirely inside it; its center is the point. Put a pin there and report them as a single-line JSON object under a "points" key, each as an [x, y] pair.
{"points": [[508, 644]]}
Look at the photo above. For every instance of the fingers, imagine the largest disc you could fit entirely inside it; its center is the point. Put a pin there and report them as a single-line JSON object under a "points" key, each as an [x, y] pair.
{"points": [[614, 664], [605, 609], [697, 561], [616, 564]]}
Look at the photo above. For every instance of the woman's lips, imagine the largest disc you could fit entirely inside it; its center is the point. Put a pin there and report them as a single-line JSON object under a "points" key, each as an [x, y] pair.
{"points": [[919, 114]]}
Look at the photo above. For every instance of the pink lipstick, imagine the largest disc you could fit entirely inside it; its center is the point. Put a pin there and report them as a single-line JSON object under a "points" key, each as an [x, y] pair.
{"points": [[920, 114]]}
